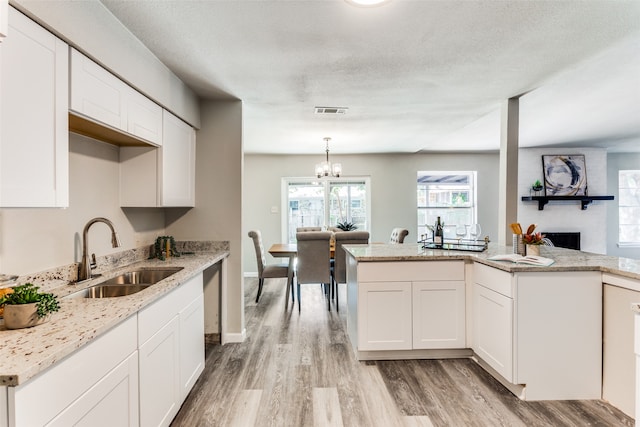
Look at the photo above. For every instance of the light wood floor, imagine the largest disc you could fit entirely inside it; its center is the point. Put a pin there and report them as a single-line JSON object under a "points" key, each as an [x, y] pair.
{"points": [[299, 370]]}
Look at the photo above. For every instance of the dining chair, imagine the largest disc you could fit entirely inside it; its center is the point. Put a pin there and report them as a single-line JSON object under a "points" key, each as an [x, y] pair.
{"points": [[340, 258], [314, 260], [303, 229], [398, 235], [266, 271]]}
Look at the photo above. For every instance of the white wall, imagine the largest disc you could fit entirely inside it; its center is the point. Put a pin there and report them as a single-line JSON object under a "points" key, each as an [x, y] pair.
{"points": [[217, 214], [33, 240], [617, 162], [393, 191], [567, 216]]}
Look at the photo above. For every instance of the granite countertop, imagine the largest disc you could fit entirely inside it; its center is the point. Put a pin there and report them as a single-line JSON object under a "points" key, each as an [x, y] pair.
{"points": [[26, 352], [565, 259]]}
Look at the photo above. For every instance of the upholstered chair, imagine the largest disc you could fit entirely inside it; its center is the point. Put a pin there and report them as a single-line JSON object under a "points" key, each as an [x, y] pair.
{"points": [[340, 259], [303, 229], [270, 271], [398, 235], [314, 260]]}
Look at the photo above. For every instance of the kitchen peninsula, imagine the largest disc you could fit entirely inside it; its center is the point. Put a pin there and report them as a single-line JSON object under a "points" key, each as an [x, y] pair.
{"points": [[537, 329], [134, 357]]}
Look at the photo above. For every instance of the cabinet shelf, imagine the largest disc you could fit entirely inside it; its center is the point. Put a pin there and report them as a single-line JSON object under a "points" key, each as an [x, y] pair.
{"points": [[584, 200]]}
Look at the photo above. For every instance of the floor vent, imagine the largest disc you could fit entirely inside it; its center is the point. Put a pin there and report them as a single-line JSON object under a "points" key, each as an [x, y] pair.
{"points": [[331, 110]]}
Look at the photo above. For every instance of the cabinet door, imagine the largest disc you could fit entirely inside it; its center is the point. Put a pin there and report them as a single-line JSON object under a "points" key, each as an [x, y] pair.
{"points": [[438, 314], [384, 316], [191, 344], [4, 18], [113, 401], [144, 117], [160, 376], [34, 132], [493, 329], [178, 162], [96, 93]]}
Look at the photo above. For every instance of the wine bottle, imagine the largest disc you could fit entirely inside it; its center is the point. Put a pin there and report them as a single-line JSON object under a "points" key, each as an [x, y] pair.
{"points": [[438, 234]]}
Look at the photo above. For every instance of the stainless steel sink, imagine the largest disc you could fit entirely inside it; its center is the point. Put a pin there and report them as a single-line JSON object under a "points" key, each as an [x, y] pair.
{"points": [[141, 277], [108, 291], [127, 283]]}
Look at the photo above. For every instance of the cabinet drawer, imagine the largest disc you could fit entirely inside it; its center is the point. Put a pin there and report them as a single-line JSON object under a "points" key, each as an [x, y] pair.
{"points": [[494, 279], [410, 271], [152, 318]]}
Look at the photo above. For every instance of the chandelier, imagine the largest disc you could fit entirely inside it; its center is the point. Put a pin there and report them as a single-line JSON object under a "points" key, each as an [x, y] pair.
{"points": [[326, 168]]}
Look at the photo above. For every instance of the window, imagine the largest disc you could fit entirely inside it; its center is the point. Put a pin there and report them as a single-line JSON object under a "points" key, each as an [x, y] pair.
{"points": [[448, 195], [317, 203], [629, 207]]}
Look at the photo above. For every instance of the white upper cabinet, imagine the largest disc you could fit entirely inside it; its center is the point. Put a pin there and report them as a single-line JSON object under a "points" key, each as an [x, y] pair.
{"points": [[164, 176], [34, 133], [178, 162], [101, 97], [4, 18]]}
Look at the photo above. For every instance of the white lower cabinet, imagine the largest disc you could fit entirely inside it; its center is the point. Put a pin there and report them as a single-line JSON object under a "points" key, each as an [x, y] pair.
{"points": [[541, 331], [171, 336], [438, 314], [493, 329], [90, 387], [160, 376], [384, 316], [407, 305], [191, 338], [111, 402]]}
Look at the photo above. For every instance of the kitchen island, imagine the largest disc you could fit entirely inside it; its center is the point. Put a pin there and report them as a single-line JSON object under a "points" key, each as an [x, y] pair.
{"points": [[132, 358], [536, 329]]}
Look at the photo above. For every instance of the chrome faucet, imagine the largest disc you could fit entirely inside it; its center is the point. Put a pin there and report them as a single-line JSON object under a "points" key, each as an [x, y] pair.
{"points": [[84, 271]]}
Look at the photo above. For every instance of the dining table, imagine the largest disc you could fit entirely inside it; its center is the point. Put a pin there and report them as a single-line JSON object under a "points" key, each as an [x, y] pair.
{"points": [[290, 250]]}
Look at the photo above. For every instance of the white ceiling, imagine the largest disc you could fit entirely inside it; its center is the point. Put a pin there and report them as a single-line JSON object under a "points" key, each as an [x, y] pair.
{"points": [[415, 75]]}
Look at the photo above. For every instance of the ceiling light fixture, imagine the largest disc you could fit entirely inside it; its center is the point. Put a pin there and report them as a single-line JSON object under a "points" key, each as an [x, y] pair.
{"points": [[326, 168], [367, 3]]}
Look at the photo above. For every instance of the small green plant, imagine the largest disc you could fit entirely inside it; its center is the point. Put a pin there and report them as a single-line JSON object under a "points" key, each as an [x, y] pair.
{"points": [[160, 248], [346, 226], [27, 294], [537, 186]]}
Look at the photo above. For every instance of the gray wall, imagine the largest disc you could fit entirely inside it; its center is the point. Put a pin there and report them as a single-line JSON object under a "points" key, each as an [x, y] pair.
{"points": [[393, 191], [616, 162], [216, 215], [33, 240]]}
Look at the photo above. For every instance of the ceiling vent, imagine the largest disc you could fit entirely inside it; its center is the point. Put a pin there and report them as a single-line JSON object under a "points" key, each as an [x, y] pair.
{"points": [[331, 110]]}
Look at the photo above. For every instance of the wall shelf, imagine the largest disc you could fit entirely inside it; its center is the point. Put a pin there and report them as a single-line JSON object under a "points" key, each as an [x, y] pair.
{"points": [[584, 200]]}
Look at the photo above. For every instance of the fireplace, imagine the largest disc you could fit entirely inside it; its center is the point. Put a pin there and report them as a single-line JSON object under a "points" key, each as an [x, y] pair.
{"points": [[564, 240]]}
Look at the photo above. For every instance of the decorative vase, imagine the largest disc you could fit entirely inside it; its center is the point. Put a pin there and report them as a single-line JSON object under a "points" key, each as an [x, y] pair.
{"points": [[18, 316], [533, 250]]}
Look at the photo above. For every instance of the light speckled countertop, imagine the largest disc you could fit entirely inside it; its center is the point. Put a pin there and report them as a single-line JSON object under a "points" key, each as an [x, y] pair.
{"points": [[26, 352], [565, 259]]}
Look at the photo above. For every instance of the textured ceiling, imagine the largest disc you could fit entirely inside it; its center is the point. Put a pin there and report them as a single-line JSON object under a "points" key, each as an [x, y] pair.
{"points": [[415, 75]]}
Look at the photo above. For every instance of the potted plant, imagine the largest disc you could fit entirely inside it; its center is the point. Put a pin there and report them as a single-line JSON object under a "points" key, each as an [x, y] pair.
{"points": [[533, 241], [537, 186], [346, 226], [26, 307]]}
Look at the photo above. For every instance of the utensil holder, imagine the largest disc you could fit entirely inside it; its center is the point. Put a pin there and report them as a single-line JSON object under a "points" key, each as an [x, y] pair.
{"points": [[518, 245]]}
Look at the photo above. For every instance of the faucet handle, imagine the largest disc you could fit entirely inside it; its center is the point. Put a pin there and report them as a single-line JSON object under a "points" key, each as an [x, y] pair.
{"points": [[93, 264]]}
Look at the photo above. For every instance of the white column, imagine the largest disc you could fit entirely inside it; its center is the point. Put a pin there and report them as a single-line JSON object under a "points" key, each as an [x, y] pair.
{"points": [[508, 187]]}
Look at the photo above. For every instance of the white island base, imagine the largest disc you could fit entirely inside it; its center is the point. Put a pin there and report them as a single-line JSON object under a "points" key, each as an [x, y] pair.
{"points": [[539, 333]]}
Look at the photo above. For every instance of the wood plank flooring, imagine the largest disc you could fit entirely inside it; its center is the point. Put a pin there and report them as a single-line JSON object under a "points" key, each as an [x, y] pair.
{"points": [[299, 370]]}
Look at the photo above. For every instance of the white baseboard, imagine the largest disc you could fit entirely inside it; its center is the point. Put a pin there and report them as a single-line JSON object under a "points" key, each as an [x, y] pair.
{"points": [[234, 337]]}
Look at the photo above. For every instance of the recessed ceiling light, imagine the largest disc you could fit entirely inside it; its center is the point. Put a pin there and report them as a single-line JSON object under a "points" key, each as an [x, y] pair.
{"points": [[367, 3]]}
